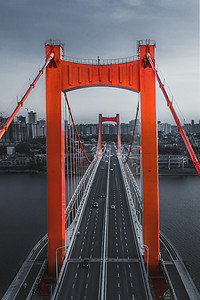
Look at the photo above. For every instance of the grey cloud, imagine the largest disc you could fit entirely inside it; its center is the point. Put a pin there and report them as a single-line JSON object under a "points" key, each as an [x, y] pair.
{"points": [[109, 28]]}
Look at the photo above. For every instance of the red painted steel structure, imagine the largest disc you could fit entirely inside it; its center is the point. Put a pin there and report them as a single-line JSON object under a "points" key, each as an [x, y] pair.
{"points": [[63, 76], [180, 128], [70, 112], [134, 129], [109, 119], [20, 104]]}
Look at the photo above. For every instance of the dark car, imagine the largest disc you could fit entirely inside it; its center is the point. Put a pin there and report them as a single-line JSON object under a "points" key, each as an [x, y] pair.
{"points": [[85, 263], [95, 205], [103, 195], [113, 206]]}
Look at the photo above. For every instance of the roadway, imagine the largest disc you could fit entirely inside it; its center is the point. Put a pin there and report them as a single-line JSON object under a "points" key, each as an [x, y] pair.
{"points": [[107, 239]]}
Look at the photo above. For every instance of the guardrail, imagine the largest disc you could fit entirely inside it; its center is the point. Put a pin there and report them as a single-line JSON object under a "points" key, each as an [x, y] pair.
{"points": [[134, 212], [137, 229], [98, 61], [77, 222]]}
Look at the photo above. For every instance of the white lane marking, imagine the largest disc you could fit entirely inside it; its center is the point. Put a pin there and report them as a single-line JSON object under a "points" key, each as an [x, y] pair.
{"points": [[76, 275], [118, 284], [73, 285]]}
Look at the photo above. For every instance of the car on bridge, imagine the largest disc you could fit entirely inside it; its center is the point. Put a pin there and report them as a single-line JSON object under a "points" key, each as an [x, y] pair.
{"points": [[95, 205], [85, 263], [113, 206]]}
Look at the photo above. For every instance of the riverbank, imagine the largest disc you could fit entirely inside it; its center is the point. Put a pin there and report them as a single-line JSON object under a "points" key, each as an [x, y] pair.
{"points": [[178, 171], [162, 171], [11, 171]]}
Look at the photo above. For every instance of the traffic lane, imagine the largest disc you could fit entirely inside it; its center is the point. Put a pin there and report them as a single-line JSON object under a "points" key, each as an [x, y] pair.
{"points": [[28, 282], [126, 232], [121, 237], [88, 220], [125, 281], [179, 288], [94, 226], [82, 283], [82, 246], [92, 240]]}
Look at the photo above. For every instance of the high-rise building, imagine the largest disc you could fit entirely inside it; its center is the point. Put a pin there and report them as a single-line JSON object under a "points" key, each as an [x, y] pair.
{"points": [[32, 117], [32, 125]]}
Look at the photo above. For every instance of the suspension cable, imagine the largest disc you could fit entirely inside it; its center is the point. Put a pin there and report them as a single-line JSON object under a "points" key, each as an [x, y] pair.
{"points": [[180, 128], [134, 129], [89, 161], [20, 104]]}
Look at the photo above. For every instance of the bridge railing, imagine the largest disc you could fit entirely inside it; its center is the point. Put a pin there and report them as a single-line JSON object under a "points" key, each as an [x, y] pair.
{"points": [[135, 201], [78, 191], [98, 61], [77, 221]]}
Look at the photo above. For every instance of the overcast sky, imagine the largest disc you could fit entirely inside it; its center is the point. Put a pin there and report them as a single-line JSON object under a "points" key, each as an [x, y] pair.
{"points": [[110, 29]]}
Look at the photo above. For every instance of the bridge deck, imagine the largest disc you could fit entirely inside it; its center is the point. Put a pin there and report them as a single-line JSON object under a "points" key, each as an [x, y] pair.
{"points": [[118, 273], [107, 239]]}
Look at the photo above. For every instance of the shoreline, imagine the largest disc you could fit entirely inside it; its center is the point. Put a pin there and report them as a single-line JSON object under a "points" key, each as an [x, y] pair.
{"points": [[161, 172]]}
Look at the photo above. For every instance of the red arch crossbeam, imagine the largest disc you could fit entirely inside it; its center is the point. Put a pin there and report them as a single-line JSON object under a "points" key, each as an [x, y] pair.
{"points": [[70, 112], [20, 104], [77, 75], [109, 119], [180, 128]]}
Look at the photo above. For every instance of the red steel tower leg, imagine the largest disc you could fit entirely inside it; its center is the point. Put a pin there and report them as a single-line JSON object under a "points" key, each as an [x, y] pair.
{"points": [[149, 159], [55, 162], [100, 136], [118, 135]]}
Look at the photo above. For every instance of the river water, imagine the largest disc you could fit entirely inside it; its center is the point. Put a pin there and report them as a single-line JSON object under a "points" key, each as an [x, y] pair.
{"points": [[23, 221]]}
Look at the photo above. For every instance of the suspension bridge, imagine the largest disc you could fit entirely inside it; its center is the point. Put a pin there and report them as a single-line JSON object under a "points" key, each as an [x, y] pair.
{"points": [[103, 239]]}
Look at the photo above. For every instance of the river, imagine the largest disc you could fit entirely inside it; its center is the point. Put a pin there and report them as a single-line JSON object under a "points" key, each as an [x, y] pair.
{"points": [[23, 221]]}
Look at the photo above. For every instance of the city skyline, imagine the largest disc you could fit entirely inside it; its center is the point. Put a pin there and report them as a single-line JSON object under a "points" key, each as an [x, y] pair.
{"points": [[26, 129], [108, 30]]}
